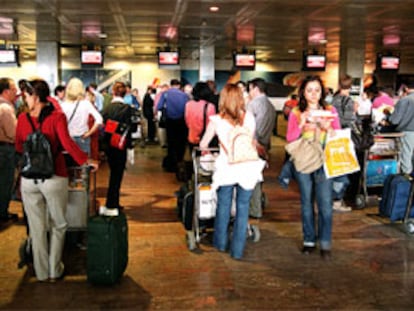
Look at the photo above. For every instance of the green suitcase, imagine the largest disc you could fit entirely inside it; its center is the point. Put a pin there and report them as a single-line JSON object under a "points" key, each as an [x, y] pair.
{"points": [[107, 252]]}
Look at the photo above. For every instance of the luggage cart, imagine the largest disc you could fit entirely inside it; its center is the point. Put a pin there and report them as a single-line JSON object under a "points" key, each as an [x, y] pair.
{"points": [[381, 160], [81, 197], [203, 199]]}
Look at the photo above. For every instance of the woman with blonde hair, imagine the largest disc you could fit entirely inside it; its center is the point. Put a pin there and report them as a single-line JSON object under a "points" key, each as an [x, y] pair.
{"points": [[77, 110], [229, 177]]}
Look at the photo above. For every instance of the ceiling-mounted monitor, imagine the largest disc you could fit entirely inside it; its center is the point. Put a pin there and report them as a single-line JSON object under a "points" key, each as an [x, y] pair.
{"points": [[245, 60], [168, 58], [9, 57], [388, 62], [313, 61], [92, 58]]}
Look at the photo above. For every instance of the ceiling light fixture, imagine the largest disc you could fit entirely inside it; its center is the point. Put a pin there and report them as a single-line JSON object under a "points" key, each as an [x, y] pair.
{"points": [[214, 8], [291, 51]]}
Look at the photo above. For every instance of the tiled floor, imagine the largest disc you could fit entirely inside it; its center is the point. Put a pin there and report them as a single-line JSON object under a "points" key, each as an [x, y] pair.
{"points": [[372, 266]]}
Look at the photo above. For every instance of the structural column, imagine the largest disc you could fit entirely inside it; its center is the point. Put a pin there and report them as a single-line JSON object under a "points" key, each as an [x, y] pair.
{"points": [[352, 44], [207, 66], [48, 49]]}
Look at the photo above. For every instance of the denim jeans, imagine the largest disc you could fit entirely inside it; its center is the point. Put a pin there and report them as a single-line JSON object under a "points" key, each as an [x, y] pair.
{"points": [[316, 187], [83, 143], [222, 220], [339, 186], [286, 174]]}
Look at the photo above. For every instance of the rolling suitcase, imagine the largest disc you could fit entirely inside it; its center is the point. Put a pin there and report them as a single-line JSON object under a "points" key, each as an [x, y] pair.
{"points": [[395, 196], [107, 252]]}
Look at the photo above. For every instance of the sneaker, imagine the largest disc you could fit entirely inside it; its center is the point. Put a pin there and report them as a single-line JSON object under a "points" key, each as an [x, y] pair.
{"points": [[340, 207], [111, 212], [102, 210]]}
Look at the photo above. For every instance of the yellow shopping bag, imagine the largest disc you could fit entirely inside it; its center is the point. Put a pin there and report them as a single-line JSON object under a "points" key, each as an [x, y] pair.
{"points": [[340, 157]]}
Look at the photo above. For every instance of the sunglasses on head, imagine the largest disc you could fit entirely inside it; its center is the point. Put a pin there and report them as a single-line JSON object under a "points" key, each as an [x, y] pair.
{"points": [[27, 87]]}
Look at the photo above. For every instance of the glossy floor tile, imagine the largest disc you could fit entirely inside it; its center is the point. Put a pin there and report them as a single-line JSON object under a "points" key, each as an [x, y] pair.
{"points": [[372, 266]]}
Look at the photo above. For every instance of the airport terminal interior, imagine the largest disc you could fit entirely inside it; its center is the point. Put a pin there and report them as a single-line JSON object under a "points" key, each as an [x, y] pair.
{"points": [[372, 264]]}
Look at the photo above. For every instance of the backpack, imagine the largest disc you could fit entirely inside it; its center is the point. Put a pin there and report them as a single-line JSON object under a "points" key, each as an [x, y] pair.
{"points": [[37, 162], [241, 147]]}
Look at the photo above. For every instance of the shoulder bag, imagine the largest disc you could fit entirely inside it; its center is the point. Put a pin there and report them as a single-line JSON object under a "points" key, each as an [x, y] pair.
{"points": [[306, 154]]}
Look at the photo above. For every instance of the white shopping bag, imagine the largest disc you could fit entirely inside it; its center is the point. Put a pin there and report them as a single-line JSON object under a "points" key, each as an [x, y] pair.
{"points": [[131, 156], [207, 201]]}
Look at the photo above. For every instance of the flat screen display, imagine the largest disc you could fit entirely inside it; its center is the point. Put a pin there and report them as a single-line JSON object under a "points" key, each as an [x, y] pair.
{"points": [[168, 58], [8, 56], [315, 62], [390, 62], [91, 57], [246, 61]]}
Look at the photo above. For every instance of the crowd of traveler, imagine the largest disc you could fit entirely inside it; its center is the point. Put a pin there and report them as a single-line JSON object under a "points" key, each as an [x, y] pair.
{"points": [[78, 116]]}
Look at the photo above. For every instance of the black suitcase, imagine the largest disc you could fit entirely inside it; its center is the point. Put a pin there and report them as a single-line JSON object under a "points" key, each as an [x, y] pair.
{"points": [[185, 207], [107, 252]]}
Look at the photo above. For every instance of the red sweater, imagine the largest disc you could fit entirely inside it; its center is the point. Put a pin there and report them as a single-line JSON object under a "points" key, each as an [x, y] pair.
{"points": [[55, 128]]}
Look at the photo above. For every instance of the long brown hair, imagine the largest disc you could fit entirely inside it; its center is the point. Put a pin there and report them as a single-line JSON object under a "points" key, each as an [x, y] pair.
{"points": [[231, 104], [303, 104]]}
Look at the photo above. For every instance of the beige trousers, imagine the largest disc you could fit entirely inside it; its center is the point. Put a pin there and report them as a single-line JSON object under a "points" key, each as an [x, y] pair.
{"points": [[45, 204]]}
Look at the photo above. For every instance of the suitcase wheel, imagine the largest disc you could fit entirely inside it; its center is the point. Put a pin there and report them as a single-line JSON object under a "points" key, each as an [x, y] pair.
{"points": [[360, 201]]}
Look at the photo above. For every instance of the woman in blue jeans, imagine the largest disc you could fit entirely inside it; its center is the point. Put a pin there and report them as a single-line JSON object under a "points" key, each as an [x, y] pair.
{"points": [[231, 179], [311, 116]]}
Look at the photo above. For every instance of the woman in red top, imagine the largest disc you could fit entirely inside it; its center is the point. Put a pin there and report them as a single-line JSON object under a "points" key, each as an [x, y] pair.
{"points": [[197, 112], [47, 198]]}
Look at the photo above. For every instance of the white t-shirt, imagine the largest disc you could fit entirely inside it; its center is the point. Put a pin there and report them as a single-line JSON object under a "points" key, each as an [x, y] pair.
{"points": [[79, 123], [364, 106]]}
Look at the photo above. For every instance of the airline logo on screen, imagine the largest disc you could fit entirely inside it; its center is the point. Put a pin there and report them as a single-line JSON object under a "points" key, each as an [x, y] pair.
{"points": [[315, 61], [390, 62], [168, 58], [245, 60], [91, 57]]}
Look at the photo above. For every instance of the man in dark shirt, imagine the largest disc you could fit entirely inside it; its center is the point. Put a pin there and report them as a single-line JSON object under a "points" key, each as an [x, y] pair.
{"points": [[8, 122], [174, 100]]}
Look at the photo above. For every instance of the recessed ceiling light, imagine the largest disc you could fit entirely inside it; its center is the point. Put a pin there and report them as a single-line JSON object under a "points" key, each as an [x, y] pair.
{"points": [[214, 8], [103, 35], [291, 51]]}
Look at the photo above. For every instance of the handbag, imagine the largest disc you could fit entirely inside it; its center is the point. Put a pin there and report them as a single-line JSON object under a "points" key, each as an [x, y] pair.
{"points": [[306, 154], [162, 122], [118, 141], [163, 118]]}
